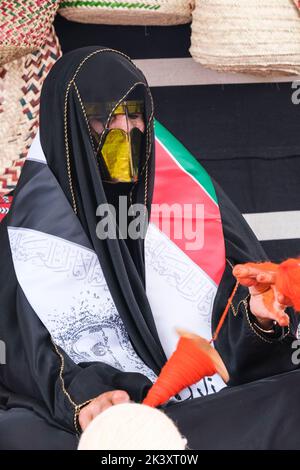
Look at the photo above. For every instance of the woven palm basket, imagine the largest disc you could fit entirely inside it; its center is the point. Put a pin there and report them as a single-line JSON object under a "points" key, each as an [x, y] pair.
{"points": [[128, 12], [20, 86], [24, 26], [252, 36]]}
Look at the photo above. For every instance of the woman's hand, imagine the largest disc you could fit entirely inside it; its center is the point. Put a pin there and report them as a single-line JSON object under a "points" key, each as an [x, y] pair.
{"points": [[101, 403], [266, 303]]}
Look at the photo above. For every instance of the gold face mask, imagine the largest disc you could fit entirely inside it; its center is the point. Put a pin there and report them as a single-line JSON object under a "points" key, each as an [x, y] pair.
{"points": [[121, 154], [119, 150]]}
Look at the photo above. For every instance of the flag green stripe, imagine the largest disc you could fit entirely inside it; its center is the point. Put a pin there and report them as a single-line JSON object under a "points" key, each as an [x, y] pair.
{"points": [[185, 159]]}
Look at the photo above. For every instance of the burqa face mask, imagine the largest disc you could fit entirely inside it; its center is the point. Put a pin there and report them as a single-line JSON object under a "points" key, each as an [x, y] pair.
{"points": [[118, 144]]}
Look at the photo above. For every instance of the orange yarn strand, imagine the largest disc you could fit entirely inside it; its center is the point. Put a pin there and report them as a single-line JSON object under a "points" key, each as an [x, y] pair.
{"points": [[186, 366], [191, 362], [224, 314]]}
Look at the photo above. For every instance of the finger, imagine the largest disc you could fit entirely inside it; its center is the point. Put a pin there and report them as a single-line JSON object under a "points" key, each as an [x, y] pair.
{"points": [[241, 270], [85, 417], [247, 281], [250, 276], [107, 405], [100, 403], [282, 319], [283, 300], [259, 289], [244, 276], [120, 397], [280, 298], [97, 405], [266, 278], [93, 409], [271, 309], [282, 307], [280, 316]]}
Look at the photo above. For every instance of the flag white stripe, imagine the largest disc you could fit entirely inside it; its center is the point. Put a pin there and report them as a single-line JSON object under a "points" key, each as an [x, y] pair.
{"points": [[283, 225]]}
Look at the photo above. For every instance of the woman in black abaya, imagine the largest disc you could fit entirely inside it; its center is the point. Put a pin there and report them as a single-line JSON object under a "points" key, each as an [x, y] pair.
{"points": [[49, 236]]}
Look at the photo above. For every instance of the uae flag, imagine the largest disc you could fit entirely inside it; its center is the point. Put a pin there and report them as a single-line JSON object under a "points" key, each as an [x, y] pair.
{"points": [[184, 249]]}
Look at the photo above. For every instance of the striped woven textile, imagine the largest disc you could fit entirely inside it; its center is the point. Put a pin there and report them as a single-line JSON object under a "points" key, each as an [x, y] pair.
{"points": [[125, 12], [20, 86], [24, 26]]}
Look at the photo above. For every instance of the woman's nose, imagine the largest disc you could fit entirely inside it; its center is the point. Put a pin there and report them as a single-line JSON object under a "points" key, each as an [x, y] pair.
{"points": [[121, 121]]}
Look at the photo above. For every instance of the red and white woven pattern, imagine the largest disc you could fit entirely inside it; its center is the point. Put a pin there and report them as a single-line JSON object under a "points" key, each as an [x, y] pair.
{"points": [[297, 3], [20, 86], [5, 203], [24, 26]]}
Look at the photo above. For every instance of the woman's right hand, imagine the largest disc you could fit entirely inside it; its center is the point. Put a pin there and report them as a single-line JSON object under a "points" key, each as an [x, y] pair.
{"points": [[101, 403]]}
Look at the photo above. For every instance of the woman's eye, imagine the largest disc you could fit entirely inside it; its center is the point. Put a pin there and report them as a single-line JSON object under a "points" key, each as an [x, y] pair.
{"points": [[134, 116], [96, 124]]}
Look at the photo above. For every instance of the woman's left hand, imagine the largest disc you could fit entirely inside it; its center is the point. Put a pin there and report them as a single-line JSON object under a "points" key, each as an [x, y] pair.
{"points": [[266, 303]]}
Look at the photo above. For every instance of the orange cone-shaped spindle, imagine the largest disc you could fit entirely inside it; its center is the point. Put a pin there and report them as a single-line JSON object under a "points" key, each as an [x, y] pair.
{"points": [[193, 359]]}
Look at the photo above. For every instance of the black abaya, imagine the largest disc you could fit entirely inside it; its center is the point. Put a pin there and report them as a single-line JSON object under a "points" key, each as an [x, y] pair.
{"points": [[33, 392], [260, 415]]}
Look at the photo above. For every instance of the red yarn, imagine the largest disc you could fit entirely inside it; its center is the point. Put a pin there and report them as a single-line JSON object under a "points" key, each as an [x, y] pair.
{"points": [[187, 365], [287, 278], [288, 281]]}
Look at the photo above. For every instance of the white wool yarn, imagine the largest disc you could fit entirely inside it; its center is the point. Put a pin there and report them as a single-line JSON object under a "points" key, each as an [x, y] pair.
{"points": [[131, 426]]}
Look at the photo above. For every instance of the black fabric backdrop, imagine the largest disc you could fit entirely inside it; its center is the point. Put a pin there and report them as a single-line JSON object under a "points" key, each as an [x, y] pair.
{"points": [[246, 136]]}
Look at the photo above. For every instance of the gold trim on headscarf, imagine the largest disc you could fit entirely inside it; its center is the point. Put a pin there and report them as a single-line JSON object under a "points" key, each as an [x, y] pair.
{"points": [[149, 123], [103, 109]]}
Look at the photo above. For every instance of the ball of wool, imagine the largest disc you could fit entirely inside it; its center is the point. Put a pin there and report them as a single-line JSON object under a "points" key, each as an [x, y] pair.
{"points": [[131, 426]]}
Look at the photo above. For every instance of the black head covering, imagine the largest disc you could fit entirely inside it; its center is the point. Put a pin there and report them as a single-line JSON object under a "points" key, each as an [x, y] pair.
{"points": [[99, 74], [51, 386]]}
